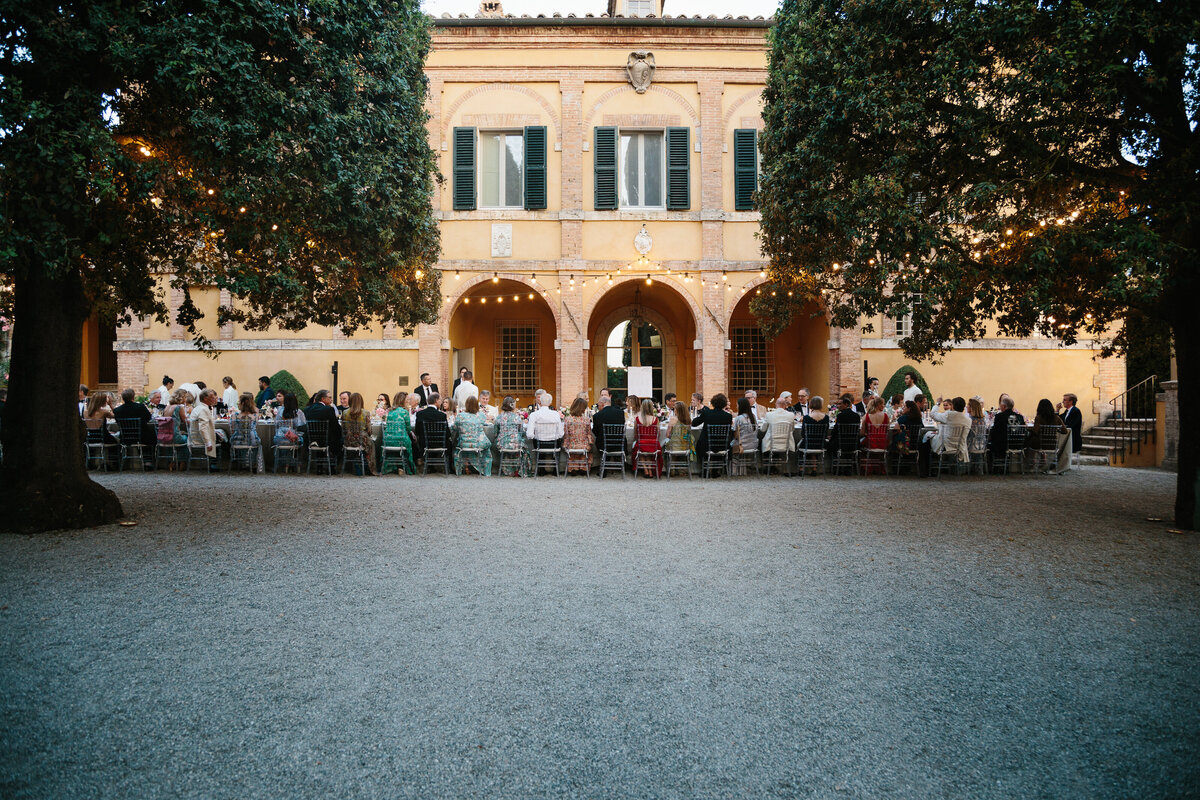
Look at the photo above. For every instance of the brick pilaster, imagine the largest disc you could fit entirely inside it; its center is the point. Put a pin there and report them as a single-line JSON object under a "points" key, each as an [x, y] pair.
{"points": [[710, 366], [711, 144], [226, 301], [571, 363], [131, 366], [174, 301], [430, 356]]}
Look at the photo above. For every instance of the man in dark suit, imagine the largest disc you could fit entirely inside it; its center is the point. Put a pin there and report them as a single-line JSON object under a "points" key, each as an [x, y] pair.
{"points": [[801, 407], [131, 410], [425, 389], [322, 410], [429, 413], [846, 417], [860, 407], [714, 414], [998, 441], [606, 414], [1072, 418]]}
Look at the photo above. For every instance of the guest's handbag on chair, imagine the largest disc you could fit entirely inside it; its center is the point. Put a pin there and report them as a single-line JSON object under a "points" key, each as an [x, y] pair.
{"points": [[166, 430]]}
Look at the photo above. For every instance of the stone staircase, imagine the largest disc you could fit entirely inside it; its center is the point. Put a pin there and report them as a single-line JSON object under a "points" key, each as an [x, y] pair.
{"points": [[1103, 441]]}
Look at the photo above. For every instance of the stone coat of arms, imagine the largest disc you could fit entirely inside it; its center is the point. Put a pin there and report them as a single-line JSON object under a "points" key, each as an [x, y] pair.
{"points": [[640, 69]]}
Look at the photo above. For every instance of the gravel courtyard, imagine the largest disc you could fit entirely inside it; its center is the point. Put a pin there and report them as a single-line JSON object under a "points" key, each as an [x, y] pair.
{"points": [[430, 637]]}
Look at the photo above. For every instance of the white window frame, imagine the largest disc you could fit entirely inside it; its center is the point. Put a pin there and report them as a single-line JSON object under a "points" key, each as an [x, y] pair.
{"points": [[662, 135], [904, 325], [629, 12], [502, 166]]}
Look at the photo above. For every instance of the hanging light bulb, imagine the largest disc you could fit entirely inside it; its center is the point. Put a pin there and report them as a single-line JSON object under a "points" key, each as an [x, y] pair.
{"points": [[724, 275], [495, 278], [610, 279], [572, 280], [457, 275], [762, 273], [499, 299], [647, 280]]}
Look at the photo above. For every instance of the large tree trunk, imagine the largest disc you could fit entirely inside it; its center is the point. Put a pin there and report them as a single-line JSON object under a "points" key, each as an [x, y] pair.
{"points": [[1187, 360], [45, 484]]}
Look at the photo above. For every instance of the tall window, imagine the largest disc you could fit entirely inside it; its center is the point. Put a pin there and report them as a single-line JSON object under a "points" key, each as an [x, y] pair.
{"points": [[642, 170], [501, 169], [515, 365], [904, 324], [634, 343], [639, 8], [751, 361]]}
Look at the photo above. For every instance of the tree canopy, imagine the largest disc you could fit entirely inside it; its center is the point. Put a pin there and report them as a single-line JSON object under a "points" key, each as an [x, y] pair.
{"points": [[275, 149], [1031, 162]]}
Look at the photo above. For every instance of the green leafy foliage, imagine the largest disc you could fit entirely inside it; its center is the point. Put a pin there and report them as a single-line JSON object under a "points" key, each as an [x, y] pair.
{"points": [[278, 150], [284, 381], [896, 385]]}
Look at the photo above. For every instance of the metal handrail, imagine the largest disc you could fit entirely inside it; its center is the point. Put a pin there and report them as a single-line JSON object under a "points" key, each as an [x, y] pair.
{"points": [[1133, 417]]}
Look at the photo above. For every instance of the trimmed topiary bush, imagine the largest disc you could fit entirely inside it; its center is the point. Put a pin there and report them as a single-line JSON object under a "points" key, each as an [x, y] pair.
{"points": [[284, 381], [895, 384]]}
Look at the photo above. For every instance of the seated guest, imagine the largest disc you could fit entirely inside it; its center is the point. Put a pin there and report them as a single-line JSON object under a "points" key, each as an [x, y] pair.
{"points": [[177, 413], [1045, 418], [745, 432], [450, 408], [510, 436], [716, 414], [577, 436], [998, 442], [668, 403], [156, 401], [98, 413], [758, 408], [802, 406], [323, 411], [356, 430], [606, 414], [780, 415], [978, 423], [428, 414], [243, 427], [203, 426], [131, 410], [697, 404], [547, 416], [485, 405], [383, 403], [633, 404], [397, 430], [950, 423], [646, 437], [470, 424], [815, 424], [896, 406], [83, 399], [860, 407], [290, 410], [846, 419], [342, 404], [1072, 419], [679, 434]]}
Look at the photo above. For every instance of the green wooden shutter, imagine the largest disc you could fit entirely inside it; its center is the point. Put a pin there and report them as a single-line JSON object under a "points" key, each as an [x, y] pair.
{"points": [[605, 159], [679, 159], [745, 168], [464, 169], [535, 167]]}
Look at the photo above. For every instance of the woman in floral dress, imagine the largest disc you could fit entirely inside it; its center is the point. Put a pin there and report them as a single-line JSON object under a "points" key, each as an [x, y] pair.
{"points": [[578, 437], [469, 425], [396, 434], [510, 435]]}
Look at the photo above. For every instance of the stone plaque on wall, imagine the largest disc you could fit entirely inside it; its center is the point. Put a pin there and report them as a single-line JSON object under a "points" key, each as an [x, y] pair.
{"points": [[501, 239]]}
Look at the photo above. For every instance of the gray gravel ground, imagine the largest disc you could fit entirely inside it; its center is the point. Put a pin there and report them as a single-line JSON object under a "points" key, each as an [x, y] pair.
{"points": [[442, 638]]}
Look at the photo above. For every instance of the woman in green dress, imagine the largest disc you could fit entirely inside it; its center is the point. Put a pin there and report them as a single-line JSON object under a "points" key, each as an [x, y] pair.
{"points": [[469, 426], [396, 429]]}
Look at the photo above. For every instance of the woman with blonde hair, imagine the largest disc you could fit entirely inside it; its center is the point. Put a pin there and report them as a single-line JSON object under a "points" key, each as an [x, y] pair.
{"points": [[230, 396], [356, 431]]}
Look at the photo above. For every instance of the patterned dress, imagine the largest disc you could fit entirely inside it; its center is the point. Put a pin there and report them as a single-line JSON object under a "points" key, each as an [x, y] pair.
{"points": [[510, 435], [396, 434], [356, 432], [578, 436], [471, 435]]}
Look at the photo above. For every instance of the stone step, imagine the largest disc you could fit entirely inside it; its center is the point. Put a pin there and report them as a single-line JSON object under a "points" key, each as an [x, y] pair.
{"points": [[1092, 460]]}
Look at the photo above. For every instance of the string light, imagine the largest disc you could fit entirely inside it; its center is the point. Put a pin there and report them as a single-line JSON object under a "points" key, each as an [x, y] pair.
{"points": [[418, 273], [495, 277], [457, 275], [724, 275], [242, 210], [212, 191], [647, 280], [762, 273], [466, 301], [145, 150], [610, 279], [274, 227]]}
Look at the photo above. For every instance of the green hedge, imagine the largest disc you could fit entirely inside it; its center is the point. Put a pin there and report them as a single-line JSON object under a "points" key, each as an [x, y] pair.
{"points": [[284, 381], [895, 384]]}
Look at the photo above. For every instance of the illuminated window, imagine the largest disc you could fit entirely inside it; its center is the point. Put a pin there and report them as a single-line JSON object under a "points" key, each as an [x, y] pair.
{"points": [[751, 361], [515, 365]]}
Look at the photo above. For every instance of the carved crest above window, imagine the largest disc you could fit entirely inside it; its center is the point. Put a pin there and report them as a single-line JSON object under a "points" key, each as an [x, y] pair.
{"points": [[640, 69]]}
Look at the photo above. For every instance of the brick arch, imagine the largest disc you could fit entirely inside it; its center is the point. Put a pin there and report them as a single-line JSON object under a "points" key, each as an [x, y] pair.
{"points": [[466, 284], [741, 101], [668, 280], [611, 93], [751, 286], [502, 87]]}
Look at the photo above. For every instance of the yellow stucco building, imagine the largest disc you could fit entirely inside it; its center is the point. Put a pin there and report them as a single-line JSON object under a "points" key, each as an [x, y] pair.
{"points": [[596, 213]]}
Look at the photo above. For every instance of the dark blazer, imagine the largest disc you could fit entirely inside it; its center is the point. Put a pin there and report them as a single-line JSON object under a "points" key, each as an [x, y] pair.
{"points": [[424, 393], [860, 408], [848, 417], [998, 443], [609, 415], [139, 412], [426, 414], [264, 396], [319, 412], [709, 416], [1073, 418]]}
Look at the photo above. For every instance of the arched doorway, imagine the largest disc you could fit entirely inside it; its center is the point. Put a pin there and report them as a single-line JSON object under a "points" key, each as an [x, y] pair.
{"points": [[504, 332], [796, 358], [635, 324]]}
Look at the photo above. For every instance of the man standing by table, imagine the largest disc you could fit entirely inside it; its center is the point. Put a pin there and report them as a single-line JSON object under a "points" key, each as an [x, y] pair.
{"points": [[425, 389], [466, 388], [265, 395]]}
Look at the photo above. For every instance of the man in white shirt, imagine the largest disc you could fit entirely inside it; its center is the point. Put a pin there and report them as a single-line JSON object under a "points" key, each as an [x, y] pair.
{"points": [[544, 414], [760, 410], [911, 389], [466, 388], [952, 426], [485, 405], [83, 393], [203, 427], [781, 413]]}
